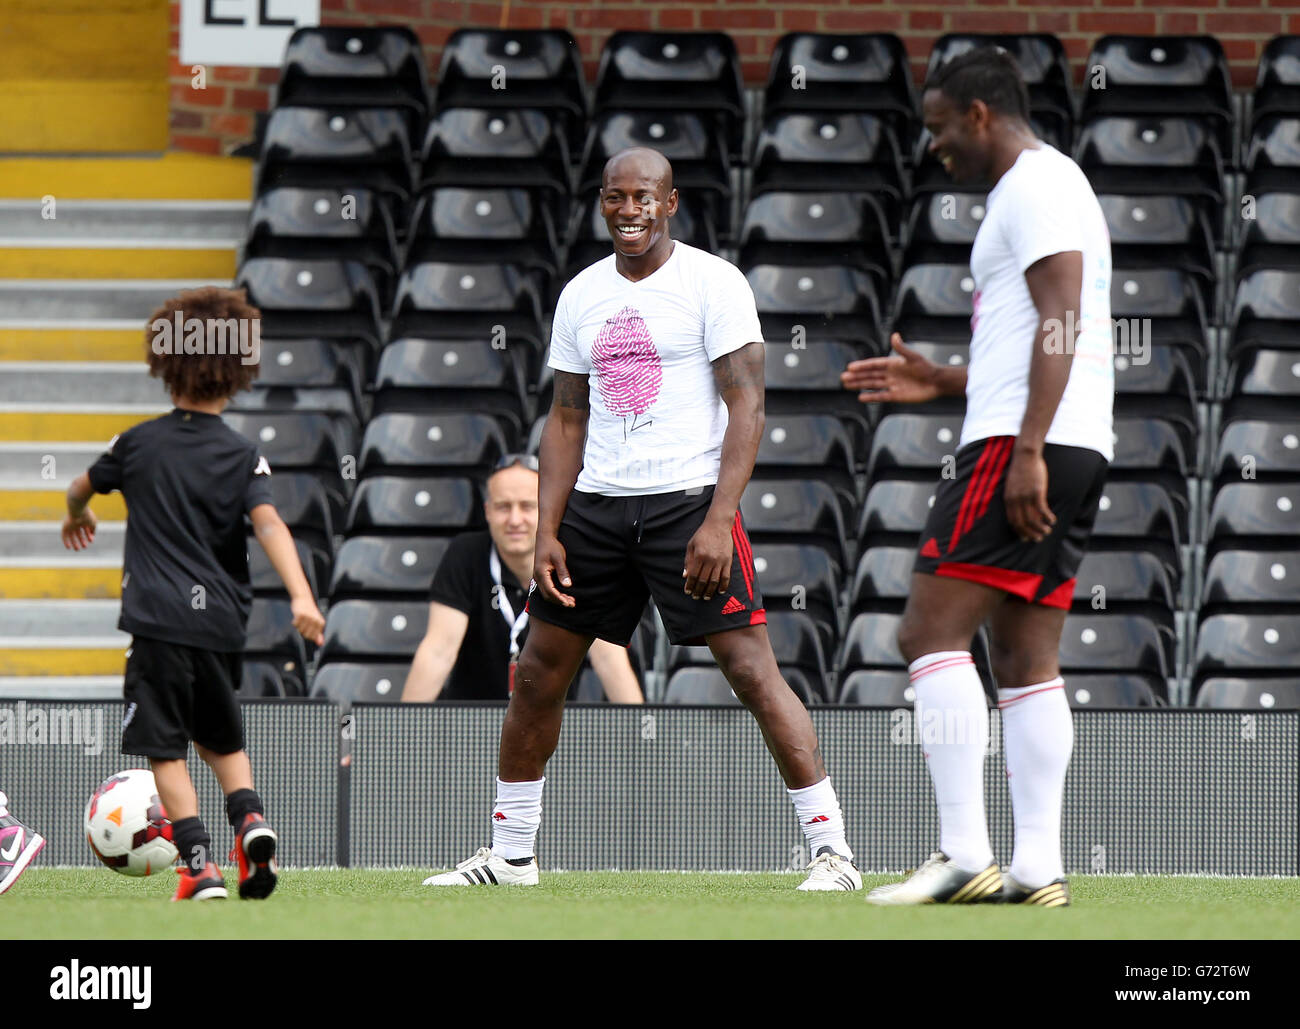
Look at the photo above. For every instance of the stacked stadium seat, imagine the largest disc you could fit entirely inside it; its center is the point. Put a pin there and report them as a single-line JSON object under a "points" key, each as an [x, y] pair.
{"points": [[407, 246]]}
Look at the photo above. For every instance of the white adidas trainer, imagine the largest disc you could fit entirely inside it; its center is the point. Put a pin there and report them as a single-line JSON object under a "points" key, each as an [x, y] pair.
{"points": [[829, 871], [487, 869]]}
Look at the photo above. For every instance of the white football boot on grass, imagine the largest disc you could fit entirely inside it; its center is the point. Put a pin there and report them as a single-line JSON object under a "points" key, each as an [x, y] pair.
{"points": [[487, 869], [939, 881], [831, 872]]}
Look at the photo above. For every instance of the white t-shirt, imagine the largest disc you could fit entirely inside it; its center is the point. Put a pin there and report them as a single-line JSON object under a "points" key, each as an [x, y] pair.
{"points": [[1043, 205], [657, 419]]}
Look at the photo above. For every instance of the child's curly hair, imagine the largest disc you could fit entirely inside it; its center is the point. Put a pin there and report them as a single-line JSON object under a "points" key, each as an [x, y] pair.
{"points": [[221, 367]]}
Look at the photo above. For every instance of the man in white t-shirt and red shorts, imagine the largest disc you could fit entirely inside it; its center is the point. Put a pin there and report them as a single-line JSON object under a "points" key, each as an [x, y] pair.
{"points": [[651, 439], [1006, 535]]}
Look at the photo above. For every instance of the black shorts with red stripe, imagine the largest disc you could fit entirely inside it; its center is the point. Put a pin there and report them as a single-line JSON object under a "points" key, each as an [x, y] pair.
{"points": [[967, 535], [620, 551]]}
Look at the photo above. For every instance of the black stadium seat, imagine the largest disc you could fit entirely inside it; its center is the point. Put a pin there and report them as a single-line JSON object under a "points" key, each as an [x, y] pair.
{"points": [[1265, 693], [1237, 579], [1248, 645], [877, 687], [674, 71], [1043, 64], [368, 566], [841, 150], [464, 223], [1277, 82], [906, 444], [437, 506], [354, 66], [934, 302], [537, 68], [440, 443], [321, 298], [795, 511], [262, 679], [348, 682], [690, 141], [1114, 691], [367, 148], [504, 147], [700, 685], [1156, 75], [810, 228], [823, 301], [462, 300], [273, 639], [380, 629], [895, 511], [448, 375]]}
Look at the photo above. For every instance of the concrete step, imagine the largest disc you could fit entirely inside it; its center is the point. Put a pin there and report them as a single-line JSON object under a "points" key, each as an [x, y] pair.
{"points": [[37, 543], [47, 655], [57, 382], [46, 465], [74, 579], [69, 422], [96, 303], [61, 687], [125, 224], [50, 505], [70, 620], [59, 344]]}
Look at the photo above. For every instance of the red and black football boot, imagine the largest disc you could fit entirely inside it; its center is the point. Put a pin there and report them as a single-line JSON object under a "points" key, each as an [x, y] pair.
{"points": [[205, 885], [255, 848]]}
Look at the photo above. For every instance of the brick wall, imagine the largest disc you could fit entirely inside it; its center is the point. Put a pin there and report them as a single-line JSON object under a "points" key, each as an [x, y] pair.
{"points": [[219, 118]]}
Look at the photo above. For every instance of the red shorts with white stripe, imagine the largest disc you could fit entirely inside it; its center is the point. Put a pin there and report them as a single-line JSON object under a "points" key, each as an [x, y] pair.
{"points": [[967, 535]]}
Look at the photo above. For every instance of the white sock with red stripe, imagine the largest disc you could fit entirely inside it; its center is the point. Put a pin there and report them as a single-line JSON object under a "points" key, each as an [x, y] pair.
{"points": [[953, 719], [818, 810], [1038, 733], [516, 817]]}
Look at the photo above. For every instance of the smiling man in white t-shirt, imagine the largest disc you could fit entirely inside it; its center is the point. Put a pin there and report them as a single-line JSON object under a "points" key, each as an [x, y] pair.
{"points": [[650, 442], [1006, 535]]}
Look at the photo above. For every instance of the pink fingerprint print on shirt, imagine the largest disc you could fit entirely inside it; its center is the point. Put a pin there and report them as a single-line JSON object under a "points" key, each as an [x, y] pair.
{"points": [[627, 365]]}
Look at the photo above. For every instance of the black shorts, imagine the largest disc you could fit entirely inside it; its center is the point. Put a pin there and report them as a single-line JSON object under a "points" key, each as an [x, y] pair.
{"points": [[175, 694], [967, 535], [622, 550]]}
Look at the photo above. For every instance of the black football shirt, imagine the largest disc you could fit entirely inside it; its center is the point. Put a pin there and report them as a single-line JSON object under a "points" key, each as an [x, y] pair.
{"points": [[464, 582], [188, 479]]}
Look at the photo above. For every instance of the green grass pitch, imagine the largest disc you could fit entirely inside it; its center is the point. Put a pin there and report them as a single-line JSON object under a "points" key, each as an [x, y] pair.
{"points": [[89, 903]]}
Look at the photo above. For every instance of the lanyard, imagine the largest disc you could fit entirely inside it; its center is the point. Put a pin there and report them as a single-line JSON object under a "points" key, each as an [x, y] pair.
{"points": [[516, 624]]}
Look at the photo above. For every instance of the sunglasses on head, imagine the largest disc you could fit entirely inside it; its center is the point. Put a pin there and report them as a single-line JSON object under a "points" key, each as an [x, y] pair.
{"points": [[529, 461]]}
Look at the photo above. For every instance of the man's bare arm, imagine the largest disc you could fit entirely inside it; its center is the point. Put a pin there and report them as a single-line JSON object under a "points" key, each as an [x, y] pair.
{"points": [[559, 462], [1055, 284], [739, 378]]}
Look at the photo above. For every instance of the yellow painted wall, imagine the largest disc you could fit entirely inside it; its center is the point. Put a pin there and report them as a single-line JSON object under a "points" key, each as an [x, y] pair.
{"points": [[83, 75]]}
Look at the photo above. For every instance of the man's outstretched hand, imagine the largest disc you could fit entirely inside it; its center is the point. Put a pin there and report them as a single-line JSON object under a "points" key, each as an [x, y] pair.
{"points": [[904, 377]]}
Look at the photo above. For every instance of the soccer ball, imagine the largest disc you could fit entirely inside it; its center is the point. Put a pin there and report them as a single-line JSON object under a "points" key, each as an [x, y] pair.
{"points": [[126, 825]]}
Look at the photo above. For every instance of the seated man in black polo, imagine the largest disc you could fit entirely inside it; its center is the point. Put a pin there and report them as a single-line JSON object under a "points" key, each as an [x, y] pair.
{"points": [[477, 622]]}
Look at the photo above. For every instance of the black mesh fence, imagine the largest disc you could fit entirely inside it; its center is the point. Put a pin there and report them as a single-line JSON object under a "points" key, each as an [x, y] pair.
{"points": [[1165, 791], [53, 755]]}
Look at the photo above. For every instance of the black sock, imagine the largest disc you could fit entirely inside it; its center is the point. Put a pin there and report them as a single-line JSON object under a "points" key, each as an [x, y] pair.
{"points": [[242, 803], [193, 842]]}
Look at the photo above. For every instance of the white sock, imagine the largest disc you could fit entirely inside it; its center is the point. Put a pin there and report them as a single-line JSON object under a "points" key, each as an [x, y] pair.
{"points": [[953, 720], [515, 818], [818, 810], [1038, 733]]}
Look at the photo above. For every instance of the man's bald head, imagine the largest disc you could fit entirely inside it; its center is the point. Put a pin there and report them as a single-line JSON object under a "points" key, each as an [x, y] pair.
{"points": [[642, 163]]}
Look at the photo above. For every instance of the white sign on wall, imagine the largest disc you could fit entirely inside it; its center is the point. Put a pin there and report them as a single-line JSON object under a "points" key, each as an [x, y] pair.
{"points": [[242, 32]]}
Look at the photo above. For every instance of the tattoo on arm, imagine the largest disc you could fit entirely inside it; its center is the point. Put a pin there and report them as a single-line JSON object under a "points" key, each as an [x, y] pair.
{"points": [[740, 369], [571, 390]]}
